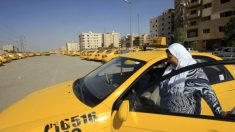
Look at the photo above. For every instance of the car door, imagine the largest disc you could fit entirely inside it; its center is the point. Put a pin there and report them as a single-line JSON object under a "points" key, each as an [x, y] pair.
{"points": [[222, 82], [145, 114]]}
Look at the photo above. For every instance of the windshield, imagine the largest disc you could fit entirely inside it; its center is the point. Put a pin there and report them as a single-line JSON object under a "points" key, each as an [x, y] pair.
{"points": [[104, 80], [109, 51], [122, 52]]}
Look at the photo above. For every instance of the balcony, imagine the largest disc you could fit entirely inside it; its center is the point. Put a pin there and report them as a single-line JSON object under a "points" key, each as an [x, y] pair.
{"points": [[194, 4], [193, 16]]}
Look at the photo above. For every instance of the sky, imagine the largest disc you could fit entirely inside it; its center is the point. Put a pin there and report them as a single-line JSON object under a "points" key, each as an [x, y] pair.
{"points": [[43, 25]]}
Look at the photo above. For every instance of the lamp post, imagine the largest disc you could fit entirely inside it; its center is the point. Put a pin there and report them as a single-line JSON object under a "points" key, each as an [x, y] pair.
{"points": [[129, 5]]}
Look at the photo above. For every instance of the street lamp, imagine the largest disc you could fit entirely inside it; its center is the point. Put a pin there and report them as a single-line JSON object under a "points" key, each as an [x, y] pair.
{"points": [[129, 5]]}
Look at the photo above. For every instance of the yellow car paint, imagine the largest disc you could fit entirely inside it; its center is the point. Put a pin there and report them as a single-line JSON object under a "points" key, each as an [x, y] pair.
{"points": [[98, 56], [91, 56], [114, 54]]}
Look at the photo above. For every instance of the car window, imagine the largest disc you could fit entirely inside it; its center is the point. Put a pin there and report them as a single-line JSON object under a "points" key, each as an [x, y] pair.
{"points": [[109, 51], [105, 79], [215, 74], [121, 52], [227, 50]]}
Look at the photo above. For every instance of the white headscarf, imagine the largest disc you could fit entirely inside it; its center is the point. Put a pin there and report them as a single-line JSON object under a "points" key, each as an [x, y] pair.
{"points": [[184, 59]]}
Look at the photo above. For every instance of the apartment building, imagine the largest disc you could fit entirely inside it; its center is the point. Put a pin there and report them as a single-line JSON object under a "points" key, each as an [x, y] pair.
{"points": [[111, 39], [141, 40], [10, 48], [205, 22], [63, 48], [90, 40], [130, 38], [72, 46], [162, 26]]}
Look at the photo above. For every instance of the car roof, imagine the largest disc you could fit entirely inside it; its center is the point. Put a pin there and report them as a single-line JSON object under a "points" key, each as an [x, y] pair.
{"points": [[145, 55], [149, 55]]}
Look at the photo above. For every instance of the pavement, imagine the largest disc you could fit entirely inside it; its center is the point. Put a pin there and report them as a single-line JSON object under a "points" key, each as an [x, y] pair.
{"points": [[22, 77]]}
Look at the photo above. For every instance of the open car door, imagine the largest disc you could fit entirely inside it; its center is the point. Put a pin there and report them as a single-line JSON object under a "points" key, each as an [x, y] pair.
{"points": [[132, 112]]}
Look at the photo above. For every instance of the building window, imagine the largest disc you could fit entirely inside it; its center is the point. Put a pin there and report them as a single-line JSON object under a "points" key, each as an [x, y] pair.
{"points": [[193, 12], [207, 18], [192, 33], [192, 1], [221, 28], [162, 29], [193, 23], [208, 5], [227, 14], [224, 1], [206, 30]]}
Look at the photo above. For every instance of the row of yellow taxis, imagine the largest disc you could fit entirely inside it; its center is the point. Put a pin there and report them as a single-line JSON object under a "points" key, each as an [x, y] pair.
{"points": [[103, 55], [8, 57]]}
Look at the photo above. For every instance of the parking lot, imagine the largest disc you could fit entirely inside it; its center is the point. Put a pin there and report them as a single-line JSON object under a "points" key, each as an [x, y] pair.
{"points": [[22, 77]]}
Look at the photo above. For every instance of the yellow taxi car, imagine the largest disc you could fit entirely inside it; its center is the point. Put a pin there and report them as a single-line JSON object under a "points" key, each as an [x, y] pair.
{"points": [[21, 55], [98, 56], [114, 54], [75, 53], [38, 54], [30, 54], [13, 56], [3, 58], [84, 53], [110, 99], [91, 55]]}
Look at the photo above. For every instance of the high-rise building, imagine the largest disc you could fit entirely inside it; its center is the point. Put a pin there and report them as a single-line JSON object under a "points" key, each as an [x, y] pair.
{"points": [[205, 22], [111, 39], [162, 26], [90, 40]]}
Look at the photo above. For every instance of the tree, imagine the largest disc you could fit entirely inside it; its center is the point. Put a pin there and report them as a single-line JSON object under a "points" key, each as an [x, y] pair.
{"points": [[229, 32], [111, 46], [179, 35]]}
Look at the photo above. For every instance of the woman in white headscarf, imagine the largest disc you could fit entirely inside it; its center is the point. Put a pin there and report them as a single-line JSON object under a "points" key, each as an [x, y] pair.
{"points": [[182, 93]]}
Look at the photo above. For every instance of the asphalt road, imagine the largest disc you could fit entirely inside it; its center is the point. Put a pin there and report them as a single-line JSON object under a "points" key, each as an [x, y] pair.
{"points": [[22, 77]]}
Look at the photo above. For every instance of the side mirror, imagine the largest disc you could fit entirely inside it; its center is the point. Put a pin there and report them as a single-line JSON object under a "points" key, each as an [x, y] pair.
{"points": [[123, 110]]}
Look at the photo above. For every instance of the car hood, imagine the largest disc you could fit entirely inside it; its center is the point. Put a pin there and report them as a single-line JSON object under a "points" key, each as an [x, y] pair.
{"points": [[42, 107]]}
